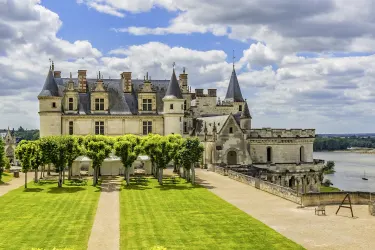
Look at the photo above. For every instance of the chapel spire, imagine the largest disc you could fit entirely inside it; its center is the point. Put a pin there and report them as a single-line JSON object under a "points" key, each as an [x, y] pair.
{"points": [[173, 90], [234, 91]]}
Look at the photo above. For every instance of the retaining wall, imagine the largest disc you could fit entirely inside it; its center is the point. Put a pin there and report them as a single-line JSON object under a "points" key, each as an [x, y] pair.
{"points": [[335, 198], [283, 192]]}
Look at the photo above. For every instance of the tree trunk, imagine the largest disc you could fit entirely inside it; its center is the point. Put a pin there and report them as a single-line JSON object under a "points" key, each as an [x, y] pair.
{"points": [[49, 169], [193, 174], [187, 175], [97, 174], [60, 179], [127, 176], [94, 177], [63, 175], [175, 168], [161, 176], [36, 175], [26, 179], [69, 172]]}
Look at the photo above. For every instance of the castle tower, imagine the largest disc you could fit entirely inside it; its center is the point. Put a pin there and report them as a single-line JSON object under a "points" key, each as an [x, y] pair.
{"points": [[50, 107], [245, 119], [173, 111]]}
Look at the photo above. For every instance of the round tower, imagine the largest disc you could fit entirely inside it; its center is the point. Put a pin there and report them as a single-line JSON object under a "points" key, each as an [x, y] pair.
{"points": [[50, 101], [173, 110]]}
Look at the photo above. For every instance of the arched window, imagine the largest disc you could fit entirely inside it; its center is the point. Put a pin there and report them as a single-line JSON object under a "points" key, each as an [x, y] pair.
{"points": [[269, 154]]}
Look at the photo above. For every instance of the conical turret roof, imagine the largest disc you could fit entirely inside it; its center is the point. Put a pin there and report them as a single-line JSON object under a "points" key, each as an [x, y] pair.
{"points": [[234, 92], [50, 87], [245, 112], [173, 91]]}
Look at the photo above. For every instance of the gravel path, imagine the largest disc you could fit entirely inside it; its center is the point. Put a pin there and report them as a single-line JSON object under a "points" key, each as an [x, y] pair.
{"points": [[105, 233], [298, 224], [15, 183]]}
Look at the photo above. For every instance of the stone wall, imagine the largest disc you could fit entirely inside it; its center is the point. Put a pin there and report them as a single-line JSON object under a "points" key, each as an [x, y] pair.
{"points": [[220, 170], [283, 192], [371, 208], [335, 198]]}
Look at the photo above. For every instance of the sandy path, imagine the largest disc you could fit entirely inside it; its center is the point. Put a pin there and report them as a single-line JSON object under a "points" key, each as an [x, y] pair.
{"points": [[15, 183], [300, 225], [105, 233]]}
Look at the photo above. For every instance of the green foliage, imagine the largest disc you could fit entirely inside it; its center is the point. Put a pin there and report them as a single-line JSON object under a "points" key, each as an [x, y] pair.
{"points": [[128, 147], [192, 152], [7, 163], [97, 148], [28, 135], [2, 158], [329, 168], [327, 183]]}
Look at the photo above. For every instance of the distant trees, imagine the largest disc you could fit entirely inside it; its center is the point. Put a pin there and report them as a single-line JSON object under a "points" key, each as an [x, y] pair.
{"points": [[338, 143]]}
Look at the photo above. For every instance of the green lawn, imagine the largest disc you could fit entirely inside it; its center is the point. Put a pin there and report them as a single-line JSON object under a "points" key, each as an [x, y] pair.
{"points": [[324, 189], [44, 216], [6, 177], [178, 216]]}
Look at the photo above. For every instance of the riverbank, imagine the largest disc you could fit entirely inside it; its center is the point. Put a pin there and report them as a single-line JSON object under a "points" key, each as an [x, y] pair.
{"points": [[370, 151]]}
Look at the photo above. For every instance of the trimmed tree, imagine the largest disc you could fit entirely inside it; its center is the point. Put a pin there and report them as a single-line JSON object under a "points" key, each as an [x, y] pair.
{"points": [[177, 143], [164, 154], [54, 151], [24, 155], [74, 150], [2, 158], [149, 146], [191, 152], [97, 148], [128, 148], [36, 158]]}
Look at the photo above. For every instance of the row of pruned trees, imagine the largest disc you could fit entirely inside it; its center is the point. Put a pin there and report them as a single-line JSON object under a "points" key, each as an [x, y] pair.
{"points": [[4, 161], [61, 151]]}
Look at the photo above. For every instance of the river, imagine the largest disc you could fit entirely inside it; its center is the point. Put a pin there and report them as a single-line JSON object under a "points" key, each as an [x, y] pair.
{"points": [[350, 168]]}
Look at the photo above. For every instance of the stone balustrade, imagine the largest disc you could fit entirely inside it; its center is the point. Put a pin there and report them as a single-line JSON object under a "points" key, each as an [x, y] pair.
{"points": [[335, 198]]}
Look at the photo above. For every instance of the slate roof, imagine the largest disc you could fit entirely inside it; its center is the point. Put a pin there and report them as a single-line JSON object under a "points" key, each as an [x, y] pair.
{"points": [[173, 90], [120, 103], [50, 87], [245, 112], [218, 120], [234, 91]]}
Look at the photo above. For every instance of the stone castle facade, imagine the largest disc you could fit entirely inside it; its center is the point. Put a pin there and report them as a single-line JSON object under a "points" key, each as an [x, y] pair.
{"points": [[10, 146], [115, 107]]}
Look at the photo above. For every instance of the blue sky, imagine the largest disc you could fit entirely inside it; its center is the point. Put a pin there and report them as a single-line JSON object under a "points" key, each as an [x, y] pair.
{"points": [[311, 68]]}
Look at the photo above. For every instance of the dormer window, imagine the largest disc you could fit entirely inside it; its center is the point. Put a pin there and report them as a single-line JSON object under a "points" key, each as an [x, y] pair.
{"points": [[185, 105], [230, 130], [71, 104], [54, 105], [147, 105], [99, 104], [171, 106], [240, 108]]}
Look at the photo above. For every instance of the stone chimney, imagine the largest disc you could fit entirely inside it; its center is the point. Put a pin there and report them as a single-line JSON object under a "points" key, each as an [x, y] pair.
{"points": [[199, 92], [57, 74], [126, 81], [183, 80], [212, 92], [82, 82]]}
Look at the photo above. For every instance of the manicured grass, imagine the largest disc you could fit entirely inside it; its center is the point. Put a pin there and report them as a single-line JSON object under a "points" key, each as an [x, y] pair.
{"points": [[324, 189], [45, 216], [180, 216], [6, 177]]}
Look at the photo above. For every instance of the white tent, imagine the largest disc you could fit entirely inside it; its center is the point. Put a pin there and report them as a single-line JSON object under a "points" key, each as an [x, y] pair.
{"points": [[111, 165]]}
